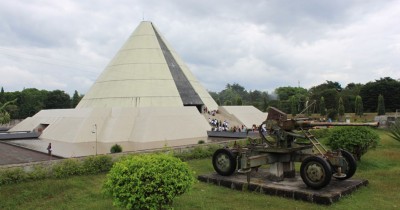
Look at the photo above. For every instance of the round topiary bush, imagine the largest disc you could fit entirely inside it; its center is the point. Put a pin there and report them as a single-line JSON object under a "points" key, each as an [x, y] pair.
{"points": [[356, 140], [147, 181], [116, 148]]}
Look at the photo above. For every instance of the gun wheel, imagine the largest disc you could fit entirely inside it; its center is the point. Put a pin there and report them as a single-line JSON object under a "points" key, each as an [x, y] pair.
{"points": [[316, 172], [351, 166], [224, 162]]}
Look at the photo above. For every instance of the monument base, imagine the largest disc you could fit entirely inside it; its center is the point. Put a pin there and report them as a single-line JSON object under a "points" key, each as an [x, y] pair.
{"points": [[292, 188]]}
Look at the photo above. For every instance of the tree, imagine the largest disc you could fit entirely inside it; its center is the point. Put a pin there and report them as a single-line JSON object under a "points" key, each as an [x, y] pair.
{"points": [[4, 115], [358, 109], [322, 108], [293, 105], [341, 108], [2, 96], [388, 88], [76, 98], [381, 105], [30, 101], [57, 99], [239, 101]]}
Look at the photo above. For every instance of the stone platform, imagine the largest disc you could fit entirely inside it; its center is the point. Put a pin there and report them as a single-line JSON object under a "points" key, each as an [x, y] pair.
{"points": [[292, 188]]}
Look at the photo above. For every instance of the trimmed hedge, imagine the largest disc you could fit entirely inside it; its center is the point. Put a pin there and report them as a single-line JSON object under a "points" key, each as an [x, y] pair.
{"points": [[63, 169]]}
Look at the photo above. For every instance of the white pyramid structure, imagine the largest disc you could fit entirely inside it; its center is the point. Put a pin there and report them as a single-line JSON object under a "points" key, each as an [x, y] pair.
{"points": [[147, 72], [145, 98]]}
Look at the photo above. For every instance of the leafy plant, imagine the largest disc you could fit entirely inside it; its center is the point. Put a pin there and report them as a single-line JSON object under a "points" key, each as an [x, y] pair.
{"points": [[149, 181], [356, 140], [116, 148], [14, 175], [66, 168], [394, 130], [97, 164]]}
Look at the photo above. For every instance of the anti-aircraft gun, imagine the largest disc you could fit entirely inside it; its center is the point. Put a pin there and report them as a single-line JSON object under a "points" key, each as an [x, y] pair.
{"points": [[291, 142]]}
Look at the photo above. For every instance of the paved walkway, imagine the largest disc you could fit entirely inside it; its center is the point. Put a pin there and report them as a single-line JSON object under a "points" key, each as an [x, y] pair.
{"points": [[10, 154]]}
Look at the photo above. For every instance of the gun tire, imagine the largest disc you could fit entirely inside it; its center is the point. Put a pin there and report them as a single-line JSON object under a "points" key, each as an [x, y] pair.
{"points": [[316, 172], [224, 162], [351, 165]]}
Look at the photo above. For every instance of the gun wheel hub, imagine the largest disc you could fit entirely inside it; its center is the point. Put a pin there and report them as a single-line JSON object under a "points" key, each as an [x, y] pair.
{"points": [[315, 173], [223, 162]]}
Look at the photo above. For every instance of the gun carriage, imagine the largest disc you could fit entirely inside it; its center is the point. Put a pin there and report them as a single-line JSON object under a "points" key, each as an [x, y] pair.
{"points": [[291, 142]]}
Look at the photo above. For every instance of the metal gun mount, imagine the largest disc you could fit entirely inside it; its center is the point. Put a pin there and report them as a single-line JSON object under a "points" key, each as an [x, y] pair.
{"points": [[318, 164]]}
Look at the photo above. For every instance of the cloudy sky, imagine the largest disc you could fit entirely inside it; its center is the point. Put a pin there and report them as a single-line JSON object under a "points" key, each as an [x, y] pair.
{"points": [[260, 44]]}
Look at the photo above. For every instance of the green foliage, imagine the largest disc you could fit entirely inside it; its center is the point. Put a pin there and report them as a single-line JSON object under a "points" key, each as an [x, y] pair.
{"points": [[381, 105], [359, 110], [341, 107], [201, 142], [332, 113], [97, 164], [116, 148], [394, 130], [322, 107], [197, 152], [38, 172], [148, 181], [239, 101], [76, 98], [4, 115], [67, 168], [14, 175], [293, 105], [321, 133], [388, 87], [57, 99], [357, 140]]}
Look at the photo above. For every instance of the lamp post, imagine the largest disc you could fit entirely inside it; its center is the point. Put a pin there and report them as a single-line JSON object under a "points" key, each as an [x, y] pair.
{"points": [[95, 132]]}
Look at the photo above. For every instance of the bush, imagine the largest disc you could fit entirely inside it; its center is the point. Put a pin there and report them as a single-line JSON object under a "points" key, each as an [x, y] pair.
{"points": [[147, 181], [197, 152], [39, 172], [66, 168], [97, 164], [116, 148], [321, 133], [356, 140], [10, 176]]}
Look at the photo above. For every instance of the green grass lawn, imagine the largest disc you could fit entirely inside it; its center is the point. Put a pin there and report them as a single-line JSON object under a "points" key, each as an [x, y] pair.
{"points": [[380, 166]]}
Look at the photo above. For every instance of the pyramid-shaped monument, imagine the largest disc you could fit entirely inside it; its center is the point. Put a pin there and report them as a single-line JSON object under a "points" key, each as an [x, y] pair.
{"points": [[147, 72], [145, 98]]}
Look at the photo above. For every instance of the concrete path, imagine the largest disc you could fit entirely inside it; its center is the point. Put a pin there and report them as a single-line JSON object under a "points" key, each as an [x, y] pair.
{"points": [[10, 154]]}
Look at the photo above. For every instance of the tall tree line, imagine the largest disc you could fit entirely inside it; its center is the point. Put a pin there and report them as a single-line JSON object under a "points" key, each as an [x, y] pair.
{"points": [[30, 101], [355, 98]]}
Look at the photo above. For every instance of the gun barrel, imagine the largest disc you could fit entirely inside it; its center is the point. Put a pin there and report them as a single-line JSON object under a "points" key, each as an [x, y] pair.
{"points": [[313, 124]]}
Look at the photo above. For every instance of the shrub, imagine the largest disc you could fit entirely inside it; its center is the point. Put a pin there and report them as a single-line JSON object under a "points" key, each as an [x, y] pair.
{"points": [[116, 148], [10, 176], [356, 140], [321, 133], [39, 172], [66, 168], [197, 152], [394, 130], [201, 142], [97, 164], [147, 181]]}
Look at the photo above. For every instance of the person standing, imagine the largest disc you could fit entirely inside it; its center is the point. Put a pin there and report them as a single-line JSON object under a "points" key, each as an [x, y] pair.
{"points": [[49, 149]]}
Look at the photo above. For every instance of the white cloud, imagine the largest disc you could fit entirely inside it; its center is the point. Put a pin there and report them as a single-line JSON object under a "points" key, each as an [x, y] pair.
{"points": [[259, 44]]}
